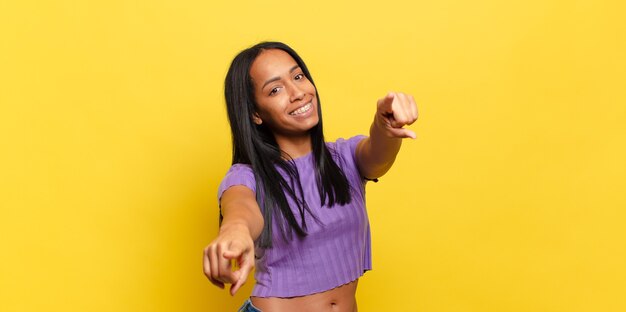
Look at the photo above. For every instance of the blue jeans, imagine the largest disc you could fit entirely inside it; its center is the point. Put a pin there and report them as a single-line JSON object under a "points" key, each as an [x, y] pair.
{"points": [[248, 307]]}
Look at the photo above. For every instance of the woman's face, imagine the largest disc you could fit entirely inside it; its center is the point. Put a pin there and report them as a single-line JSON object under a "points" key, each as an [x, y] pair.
{"points": [[286, 100]]}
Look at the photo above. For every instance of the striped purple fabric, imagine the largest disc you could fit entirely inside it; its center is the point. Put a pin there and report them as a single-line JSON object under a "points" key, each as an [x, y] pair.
{"points": [[336, 250]]}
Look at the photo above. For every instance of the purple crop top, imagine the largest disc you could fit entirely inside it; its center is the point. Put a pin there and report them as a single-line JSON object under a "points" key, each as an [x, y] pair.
{"points": [[334, 253]]}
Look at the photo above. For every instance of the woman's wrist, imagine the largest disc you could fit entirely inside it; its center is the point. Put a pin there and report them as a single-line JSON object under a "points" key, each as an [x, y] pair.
{"points": [[236, 226]]}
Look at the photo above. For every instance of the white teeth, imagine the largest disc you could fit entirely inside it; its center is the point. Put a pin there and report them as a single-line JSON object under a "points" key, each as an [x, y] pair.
{"points": [[301, 110]]}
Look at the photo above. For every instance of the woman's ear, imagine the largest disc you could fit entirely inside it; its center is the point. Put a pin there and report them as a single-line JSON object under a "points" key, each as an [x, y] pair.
{"points": [[257, 119]]}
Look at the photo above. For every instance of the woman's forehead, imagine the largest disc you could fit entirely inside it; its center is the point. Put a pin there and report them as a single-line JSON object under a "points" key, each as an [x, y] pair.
{"points": [[272, 63]]}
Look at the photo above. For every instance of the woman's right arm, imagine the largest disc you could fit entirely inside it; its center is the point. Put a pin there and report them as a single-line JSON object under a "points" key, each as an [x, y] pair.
{"points": [[241, 225]]}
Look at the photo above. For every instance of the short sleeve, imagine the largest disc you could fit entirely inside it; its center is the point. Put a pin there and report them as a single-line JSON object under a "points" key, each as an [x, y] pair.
{"points": [[345, 155], [347, 148], [238, 174]]}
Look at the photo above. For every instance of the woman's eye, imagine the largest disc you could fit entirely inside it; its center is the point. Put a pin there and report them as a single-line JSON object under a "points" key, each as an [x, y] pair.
{"points": [[299, 76], [273, 91]]}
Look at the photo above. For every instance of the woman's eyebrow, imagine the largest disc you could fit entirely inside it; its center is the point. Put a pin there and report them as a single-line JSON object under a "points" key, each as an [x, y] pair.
{"points": [[278, 78]]}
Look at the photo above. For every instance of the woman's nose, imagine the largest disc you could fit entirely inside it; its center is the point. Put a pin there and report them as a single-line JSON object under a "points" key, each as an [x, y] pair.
{"points": [[296, 93]]}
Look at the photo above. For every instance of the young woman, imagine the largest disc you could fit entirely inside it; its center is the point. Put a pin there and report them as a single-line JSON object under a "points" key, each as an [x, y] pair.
{"points": [[293, 205]]}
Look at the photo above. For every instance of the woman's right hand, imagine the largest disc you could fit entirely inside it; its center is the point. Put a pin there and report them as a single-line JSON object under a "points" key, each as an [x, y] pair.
{"points": [[242, 224], [233, 243]]}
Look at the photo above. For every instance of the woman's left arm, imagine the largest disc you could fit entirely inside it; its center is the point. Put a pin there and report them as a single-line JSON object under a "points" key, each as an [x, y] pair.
{"points": [[376, 154]]}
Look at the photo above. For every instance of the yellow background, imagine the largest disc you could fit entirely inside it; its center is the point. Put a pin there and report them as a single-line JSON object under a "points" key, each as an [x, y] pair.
{"points": [[114, 139]]}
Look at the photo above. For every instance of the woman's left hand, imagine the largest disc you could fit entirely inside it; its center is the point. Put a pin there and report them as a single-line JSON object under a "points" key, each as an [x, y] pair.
{"points": [[395, 111]]}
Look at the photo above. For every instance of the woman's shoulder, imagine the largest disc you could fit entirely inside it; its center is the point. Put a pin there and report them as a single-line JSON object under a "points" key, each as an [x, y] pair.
{"points": [[239, 167], [239, 171], [346, 147]]}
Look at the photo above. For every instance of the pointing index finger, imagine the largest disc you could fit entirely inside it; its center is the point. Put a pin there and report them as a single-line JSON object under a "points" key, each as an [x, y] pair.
{"points": [[384, 104]]}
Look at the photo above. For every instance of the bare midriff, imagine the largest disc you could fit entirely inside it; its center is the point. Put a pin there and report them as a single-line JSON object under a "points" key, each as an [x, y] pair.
{"points": [[340, 299]]}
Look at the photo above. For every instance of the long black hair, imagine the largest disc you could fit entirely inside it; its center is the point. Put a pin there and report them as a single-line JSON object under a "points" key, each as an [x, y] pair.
{"points": [[256, 146]]}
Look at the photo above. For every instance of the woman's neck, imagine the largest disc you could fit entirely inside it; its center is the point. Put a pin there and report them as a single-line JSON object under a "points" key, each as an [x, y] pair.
{"points": [[295, 146]]}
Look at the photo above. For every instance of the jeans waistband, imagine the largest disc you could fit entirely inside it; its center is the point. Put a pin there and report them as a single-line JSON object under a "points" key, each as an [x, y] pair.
{"points": [[248, 307]]}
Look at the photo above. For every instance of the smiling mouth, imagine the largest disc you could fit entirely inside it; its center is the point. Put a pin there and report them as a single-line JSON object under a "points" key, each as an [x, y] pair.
{"points": [[302, 109]]}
